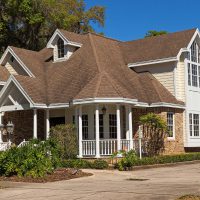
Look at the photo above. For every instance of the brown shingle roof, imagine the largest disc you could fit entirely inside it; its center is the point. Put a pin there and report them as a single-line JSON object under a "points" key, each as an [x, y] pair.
{"points": [[97, 69], [158, 47], [4, 74]]}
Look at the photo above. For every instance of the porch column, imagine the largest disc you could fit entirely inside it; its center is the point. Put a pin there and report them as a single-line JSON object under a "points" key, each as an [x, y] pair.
{"points": [[80, 138], [97, 131], [76, 120], [118, 128], [130, 121], [1, 140], [127, 123], [35, 123], [47, 124]]}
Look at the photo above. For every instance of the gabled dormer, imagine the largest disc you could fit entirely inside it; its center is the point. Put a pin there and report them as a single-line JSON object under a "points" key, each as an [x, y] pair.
{"points": [[15, 66], [62, 47]]}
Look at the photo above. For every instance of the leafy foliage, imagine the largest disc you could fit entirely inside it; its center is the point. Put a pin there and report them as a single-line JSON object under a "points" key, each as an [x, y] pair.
{"points": [[30, 23], [35, 159], [153, 33], [154, 130], [128, 160], [65, 136]]}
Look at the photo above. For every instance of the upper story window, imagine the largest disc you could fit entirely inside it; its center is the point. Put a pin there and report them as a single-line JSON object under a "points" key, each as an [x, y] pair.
{"points": [[193, 66], [61, 48]]}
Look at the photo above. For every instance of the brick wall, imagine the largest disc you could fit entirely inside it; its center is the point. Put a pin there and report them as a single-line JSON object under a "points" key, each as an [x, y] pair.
{"points": [[23, 122], [171, 146]]}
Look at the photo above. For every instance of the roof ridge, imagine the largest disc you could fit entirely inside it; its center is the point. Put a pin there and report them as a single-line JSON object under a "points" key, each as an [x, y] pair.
{"points": [[103, 36], [98, 84], [113, 85], [159, 36], [95, 53]]}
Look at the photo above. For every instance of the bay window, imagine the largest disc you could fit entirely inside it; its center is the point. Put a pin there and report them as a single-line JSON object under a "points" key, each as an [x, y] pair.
{"points": [[170, 124]]}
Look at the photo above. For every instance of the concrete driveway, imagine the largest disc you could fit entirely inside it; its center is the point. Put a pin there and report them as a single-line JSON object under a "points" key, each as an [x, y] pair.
{"points": [[161, 184]]}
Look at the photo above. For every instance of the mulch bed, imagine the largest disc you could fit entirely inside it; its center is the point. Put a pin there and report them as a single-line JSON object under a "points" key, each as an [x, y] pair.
{"points": [[57, 175], [189, 197]]}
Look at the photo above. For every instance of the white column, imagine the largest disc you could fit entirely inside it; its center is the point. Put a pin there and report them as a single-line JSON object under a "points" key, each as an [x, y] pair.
{"points": [[127, 123], [118, 129], [35, 123], [1, 140], [97, 131], [76, 120], [47, 124], [80, 132], [130, 121]]}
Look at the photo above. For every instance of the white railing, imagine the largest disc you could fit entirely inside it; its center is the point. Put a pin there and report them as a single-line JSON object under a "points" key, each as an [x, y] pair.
{"points": [[4, 146], [89, 147], [108, 146], [23, 143], [125, 145]]}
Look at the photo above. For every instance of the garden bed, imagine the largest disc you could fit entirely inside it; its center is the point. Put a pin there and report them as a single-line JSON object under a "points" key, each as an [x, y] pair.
{"points": [[189, 197], [57, 175]]}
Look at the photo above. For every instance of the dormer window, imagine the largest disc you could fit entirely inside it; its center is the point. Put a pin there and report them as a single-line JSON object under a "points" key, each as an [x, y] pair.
{"points": [[61, 48]]}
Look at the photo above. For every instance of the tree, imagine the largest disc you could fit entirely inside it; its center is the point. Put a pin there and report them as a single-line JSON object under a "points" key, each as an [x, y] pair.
{"points": [[155, 131], [153, 33], [30, 23]]}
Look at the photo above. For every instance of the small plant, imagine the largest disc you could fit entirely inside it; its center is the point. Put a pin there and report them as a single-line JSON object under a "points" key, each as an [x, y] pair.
{"points": [[100, 164]]}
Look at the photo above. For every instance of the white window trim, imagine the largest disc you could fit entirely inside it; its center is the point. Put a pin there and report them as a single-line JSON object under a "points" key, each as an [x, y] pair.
{"points": [[193, 137], [174, 125]]}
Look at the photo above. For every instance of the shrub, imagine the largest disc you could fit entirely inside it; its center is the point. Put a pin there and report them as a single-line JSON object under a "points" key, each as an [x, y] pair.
{"points": [[100, 164], [128, 160], [65, 135], [85, 164], [35, 159]]}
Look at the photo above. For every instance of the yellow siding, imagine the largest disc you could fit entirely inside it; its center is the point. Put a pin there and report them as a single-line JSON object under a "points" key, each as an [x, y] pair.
{"points": [[180, 81], [163, 72]]}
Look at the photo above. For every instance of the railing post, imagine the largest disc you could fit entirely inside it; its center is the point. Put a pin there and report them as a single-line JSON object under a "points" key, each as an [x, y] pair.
{"points": [[118, 128], [1, 140], [97, 131], [80, 138]]}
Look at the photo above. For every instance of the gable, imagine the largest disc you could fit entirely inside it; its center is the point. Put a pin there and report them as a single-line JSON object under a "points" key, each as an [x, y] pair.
{"points": [[13, 64]]}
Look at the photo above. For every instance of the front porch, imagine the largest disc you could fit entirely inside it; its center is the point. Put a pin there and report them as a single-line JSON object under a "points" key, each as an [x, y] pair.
{"points": [[102, 129]]}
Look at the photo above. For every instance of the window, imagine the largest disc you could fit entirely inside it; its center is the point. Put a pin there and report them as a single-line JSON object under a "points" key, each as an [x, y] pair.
{"points": [[194, 52], [194, 75], [196, 124], [189, 74], [113, 125], [85, 126], [61, 49], [101, 126], [170, 124], [190, 124]]}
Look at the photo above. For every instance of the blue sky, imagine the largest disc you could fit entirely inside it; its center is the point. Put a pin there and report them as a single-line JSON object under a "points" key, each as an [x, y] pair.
{"points": [[131, 19]]}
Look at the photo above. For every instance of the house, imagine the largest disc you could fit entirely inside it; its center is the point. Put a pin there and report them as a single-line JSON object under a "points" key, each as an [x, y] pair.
{"points": [[103, 86]]}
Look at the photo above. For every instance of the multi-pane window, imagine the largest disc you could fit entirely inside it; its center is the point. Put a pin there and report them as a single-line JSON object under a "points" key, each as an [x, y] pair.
{"points": [[170, 124], [194, 76], [61, 49], [85, 126], [101, 126], [189, 74], [113, 126], [194, 124], [190, 124], [194, 50]]}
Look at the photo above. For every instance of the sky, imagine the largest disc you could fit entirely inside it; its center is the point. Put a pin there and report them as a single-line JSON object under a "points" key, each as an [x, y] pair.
{"points": [[131, 19]]}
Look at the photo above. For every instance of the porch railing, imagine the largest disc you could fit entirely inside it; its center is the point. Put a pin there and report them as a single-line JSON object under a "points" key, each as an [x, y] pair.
{"points": [[108, 146], [125, 145], [89, 147], [4, 146]]}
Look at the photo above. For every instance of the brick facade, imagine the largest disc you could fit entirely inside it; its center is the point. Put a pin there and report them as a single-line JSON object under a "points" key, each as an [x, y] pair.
{"points": [[23, 122], [171, 146]]}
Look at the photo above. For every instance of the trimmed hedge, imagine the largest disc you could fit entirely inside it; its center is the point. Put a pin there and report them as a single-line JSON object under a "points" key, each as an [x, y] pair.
{"points": [[126, 163], [85, 164], [167, 159]]}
